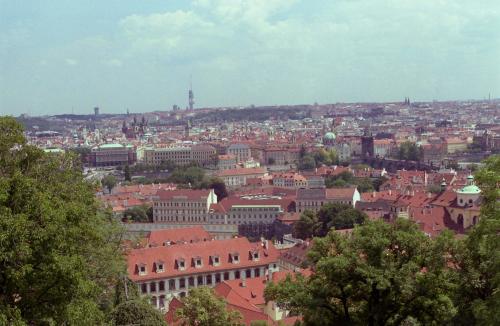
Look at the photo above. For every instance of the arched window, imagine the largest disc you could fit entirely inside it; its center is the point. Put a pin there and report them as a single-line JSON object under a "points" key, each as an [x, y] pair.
{"points": [[460, 220]]}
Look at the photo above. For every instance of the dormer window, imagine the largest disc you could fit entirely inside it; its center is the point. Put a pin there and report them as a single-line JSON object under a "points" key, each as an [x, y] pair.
{"points": [[255, 255], [198, 262], [181, 264], [215, 260], [142, 269], [160, 267], [235, 258]]}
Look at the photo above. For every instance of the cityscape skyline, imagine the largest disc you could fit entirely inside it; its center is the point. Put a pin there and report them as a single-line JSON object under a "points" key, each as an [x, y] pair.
{"points": [[68, 57]]}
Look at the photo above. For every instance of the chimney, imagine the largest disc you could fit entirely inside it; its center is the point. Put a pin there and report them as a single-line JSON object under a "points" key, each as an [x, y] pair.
{"points": [[390, 192], [266, 244]]}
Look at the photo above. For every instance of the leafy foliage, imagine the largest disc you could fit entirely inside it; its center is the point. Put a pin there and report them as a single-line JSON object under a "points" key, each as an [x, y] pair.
{"points": [[202, 307], [478, 256], [142, 213], [338, 216], [109, 182], [373, 277], [59, 252], [410, 151], [137, 312]]}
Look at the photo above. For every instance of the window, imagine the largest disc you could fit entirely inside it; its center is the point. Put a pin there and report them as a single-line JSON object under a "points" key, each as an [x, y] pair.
{"points": [[235, 258], [257, 272], [248, 273], [142, 269], [255, 255], [182, 283], [226, 276], [159, 267], [237, 275], [152, 287], [161, 286], [200, 280], [144, 288], [198, 262], [216, 260]]}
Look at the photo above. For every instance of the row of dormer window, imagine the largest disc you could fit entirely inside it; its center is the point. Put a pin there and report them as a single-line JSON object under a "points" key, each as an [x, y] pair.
{"points": [[180, 263]]}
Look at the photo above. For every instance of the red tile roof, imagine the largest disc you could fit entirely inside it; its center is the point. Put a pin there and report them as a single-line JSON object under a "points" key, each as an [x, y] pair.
{"points": [[188, 194], [176, 236], [205, 250], [242, 171]]}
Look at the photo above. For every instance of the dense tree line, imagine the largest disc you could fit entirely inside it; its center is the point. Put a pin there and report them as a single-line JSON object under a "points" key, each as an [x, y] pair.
{"points": [[60, 252], [410, 151], [393, 274], [318, 224]]}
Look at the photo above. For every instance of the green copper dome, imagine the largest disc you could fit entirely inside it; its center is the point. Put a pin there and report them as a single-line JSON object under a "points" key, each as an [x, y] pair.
{"points": [[330, 136], [470, 189]]}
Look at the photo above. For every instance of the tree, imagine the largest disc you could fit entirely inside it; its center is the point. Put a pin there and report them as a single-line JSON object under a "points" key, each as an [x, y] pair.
{"points": [[219, 188], [338, 216], [60, 253], [192, 175], [202, 307], [478, 256], [381, 274], [137, 312], [302, 152], [364, 185], [307, 163], [378, 182], [126, 172], [410, 151], [109, 182], [306, 226], [139, 213]]}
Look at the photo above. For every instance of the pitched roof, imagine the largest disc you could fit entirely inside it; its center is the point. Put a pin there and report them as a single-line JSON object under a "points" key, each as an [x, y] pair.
{"points": [[241, 171], [188, 194], [204, 250], [181, 235]]}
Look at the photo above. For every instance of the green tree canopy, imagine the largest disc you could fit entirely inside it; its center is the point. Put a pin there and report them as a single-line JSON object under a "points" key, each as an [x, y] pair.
{"points": [[109, 181], [410, 151], [137, 312], [381, 274], [204, 308], [307, 163], [59, 252], [219, 188], [306, 227], [338, 216], [478, 256]]}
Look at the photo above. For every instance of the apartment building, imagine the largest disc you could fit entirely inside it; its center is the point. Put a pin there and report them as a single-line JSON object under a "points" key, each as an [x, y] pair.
{"points": [[183, 205], [238, 177], [314, 199], [181, 155], [112, 155], [242, 152], [168, 271]]}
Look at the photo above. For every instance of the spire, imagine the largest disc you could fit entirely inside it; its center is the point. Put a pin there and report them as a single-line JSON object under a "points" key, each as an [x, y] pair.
{"points": [[191, 94]]}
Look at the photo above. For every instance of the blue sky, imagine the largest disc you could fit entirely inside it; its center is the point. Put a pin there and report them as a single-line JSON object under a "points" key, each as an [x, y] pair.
{"points": [[61, 56]]}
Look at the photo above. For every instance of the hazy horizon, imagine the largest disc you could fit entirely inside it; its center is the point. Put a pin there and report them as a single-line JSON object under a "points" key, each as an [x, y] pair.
{"points": [[62, 56]]}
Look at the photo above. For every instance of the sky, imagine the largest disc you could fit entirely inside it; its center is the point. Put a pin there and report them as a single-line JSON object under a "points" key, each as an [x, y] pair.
{"points": [[64, 56]]}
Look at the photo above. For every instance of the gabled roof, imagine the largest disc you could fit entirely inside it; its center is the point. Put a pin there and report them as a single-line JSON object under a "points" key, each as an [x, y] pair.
{"points": [[223, 248], [175, 236], [188, 194]]}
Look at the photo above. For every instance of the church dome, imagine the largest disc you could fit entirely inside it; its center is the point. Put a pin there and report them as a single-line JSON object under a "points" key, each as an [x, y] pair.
{"points": [[470, 188], [329, 136]]}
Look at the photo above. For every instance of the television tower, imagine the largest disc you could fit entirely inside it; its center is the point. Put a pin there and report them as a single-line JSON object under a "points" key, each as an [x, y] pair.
{"points": [[191, 95]]}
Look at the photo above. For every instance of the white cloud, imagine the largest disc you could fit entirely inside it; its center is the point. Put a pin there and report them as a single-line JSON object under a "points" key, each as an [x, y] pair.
{"points": [[71, 62]]}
